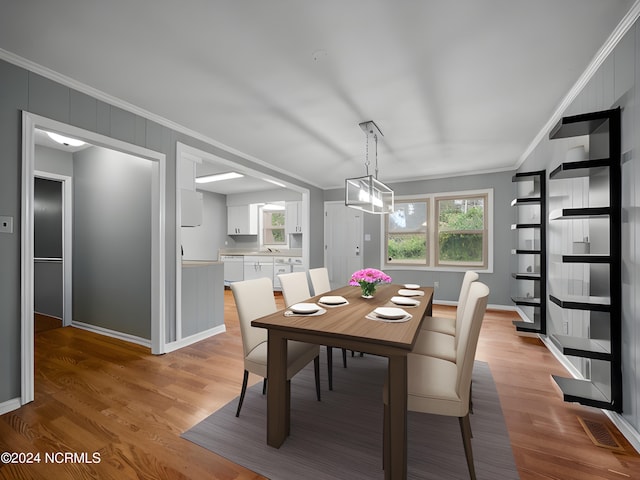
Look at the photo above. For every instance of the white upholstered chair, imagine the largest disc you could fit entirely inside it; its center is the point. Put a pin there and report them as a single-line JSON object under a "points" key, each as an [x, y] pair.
{"points": [[320, 280], [441, 387], [321, 284], [442, 341], [445, 324], [295, 289], [254, 299]]}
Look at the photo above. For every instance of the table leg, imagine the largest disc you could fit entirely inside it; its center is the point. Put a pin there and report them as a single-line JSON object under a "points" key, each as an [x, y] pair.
{"points": [[396, 469], [278, 391]]}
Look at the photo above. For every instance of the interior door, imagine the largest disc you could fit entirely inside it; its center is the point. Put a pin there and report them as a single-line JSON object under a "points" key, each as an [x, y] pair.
{"points": [[343, 236], [48, 248]]}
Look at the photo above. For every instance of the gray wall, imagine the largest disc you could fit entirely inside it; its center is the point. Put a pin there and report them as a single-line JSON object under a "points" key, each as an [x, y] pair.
{"points": [[111, 241], [53, 161], [615, 84], [449, 289], [24, 90]]}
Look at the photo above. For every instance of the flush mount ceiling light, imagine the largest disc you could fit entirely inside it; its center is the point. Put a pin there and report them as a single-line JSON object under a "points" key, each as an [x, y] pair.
{"points": [[218, 177], [368, 193], [62, 140]]}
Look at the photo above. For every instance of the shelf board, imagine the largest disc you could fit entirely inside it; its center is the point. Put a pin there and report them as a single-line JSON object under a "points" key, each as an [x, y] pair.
{"points": [[583, 392], [583, 168], [515, 226], [584, 347], [525, 201], [530, 301], [578, 125], [585, 258], [527, 176], [520, 251], [577, 302], [527, 327], [526, 276], [579, 213]]}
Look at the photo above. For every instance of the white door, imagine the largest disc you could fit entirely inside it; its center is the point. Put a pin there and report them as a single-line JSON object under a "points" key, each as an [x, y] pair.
{"points": [[342, 242]]}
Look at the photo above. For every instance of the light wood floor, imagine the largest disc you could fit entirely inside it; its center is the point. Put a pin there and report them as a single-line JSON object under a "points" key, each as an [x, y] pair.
{"points": [[97, 394]]}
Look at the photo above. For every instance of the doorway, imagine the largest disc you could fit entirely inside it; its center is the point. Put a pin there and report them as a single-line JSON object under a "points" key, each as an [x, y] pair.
{"points": [[155, 246]]}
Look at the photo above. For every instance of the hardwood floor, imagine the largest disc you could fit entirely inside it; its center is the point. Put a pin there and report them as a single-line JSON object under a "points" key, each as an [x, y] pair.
{"points": [[95, 394]]}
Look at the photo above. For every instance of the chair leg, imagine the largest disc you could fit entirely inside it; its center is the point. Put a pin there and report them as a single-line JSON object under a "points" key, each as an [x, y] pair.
{"points": [[465, 428], [385, 441], [330, 366], [316, 368], [471, 397], [344, 357], [264, 386], [244, 389]]}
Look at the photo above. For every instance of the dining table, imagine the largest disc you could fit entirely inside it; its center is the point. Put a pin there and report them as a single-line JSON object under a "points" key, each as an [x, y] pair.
{"points": [[353, 326]]}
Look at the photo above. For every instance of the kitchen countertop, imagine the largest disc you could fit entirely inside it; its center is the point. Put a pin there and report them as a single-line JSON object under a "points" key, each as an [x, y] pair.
{"points": [[265, 253], [200, 263]]}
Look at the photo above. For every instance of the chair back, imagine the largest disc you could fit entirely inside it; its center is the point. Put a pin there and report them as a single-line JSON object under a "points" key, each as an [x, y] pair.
{"points": [[254, 299], [469, 278], [320, 280], [295, 287], [469, 333]]}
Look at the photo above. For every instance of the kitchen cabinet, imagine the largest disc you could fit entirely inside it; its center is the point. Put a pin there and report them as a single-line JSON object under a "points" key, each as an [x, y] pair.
{"points": [[585, 229], [258, 267], [530, 258], [242, 219], [293, 217], [233, 268]]}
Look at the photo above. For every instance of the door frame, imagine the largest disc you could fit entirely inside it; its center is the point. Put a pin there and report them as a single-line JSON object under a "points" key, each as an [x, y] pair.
{"points": [[30, 122], [67, 239]]}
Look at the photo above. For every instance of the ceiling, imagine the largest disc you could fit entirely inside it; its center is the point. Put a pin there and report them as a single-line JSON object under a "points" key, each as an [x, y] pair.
{"points": [[455, 86]]}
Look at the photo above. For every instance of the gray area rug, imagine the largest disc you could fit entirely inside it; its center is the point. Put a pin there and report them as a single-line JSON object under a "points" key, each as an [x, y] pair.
{"points": [[341, 436]]}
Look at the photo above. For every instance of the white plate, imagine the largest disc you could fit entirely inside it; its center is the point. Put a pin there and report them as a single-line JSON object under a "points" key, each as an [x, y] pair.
{"points": [[390, 312], [404, 301], [333, 300], [411, 286], [409, 293], [304, 308]]}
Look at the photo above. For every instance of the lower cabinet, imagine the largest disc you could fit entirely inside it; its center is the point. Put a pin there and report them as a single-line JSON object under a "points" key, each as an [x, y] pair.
{"points": [[258, 267]]}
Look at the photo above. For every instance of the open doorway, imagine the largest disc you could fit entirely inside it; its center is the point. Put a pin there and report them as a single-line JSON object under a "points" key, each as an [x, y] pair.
{"points": [[102, 211]]}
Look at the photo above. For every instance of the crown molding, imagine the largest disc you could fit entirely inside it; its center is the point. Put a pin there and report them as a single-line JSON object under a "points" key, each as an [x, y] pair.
{"points": [[601, 55]]}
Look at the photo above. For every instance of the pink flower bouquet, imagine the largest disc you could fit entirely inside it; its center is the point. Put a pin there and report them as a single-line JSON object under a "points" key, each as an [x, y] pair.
{"points": [[368, 279]]}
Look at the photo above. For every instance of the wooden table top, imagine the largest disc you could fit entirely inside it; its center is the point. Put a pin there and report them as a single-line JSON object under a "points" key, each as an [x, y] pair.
{"points": [[348, 322]]}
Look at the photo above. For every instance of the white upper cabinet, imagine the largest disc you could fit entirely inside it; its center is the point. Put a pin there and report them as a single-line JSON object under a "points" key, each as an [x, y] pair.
{"points": [[293, 217], [242, 219]]}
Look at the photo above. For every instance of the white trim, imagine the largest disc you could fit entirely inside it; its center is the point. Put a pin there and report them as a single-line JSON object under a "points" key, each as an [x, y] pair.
{"points": [[184, 342], [30, 122], [67, 241], [9, 405], [601, 55], [112, 333]]}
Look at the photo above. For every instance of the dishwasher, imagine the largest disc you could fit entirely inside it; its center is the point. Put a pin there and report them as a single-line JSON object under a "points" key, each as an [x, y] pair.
{"points": [[280, 265], [233, 268]]}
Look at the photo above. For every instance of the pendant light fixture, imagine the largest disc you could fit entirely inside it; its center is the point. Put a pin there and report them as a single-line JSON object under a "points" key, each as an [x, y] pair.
{"points": [[368, 193]]}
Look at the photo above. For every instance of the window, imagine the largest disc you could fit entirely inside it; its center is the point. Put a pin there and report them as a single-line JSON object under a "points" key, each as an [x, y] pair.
{"points": [[439, 231], [407, 240], [273, 232]]}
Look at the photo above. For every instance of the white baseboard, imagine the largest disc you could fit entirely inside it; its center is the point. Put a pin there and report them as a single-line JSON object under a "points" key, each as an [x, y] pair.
{"points": [[145, 342], [173, 346], [10, 405], [509, 308]]}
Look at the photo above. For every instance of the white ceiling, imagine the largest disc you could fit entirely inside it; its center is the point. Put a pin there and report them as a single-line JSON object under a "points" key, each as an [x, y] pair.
{"points": [[455, 86]]}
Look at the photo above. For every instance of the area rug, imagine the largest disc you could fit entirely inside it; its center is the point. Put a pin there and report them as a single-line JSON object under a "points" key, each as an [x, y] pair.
{"points": [[340, 437]]}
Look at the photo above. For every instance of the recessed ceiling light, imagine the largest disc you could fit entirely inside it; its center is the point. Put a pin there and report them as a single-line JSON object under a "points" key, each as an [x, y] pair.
{"points": [[218, 177], [65, 140]]}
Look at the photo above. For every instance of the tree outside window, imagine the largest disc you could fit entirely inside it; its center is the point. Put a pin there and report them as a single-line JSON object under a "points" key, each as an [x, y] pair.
{"points": [[407, 233], [461, 231], [274, 227]]}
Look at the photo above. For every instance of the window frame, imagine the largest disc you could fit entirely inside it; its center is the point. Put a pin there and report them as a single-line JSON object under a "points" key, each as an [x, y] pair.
{"points": [[264, 228], [432, 262]]}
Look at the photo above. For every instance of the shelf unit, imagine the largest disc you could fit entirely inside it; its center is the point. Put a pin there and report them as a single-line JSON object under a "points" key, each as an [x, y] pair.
{"points": [[602, 388], [534, 316]]}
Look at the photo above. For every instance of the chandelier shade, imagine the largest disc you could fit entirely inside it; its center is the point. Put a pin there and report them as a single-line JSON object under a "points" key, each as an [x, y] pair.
{"points": [[367, 193]]}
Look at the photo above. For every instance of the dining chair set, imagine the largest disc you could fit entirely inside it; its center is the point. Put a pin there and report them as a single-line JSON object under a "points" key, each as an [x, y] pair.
{"points": [[439, 368]]}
